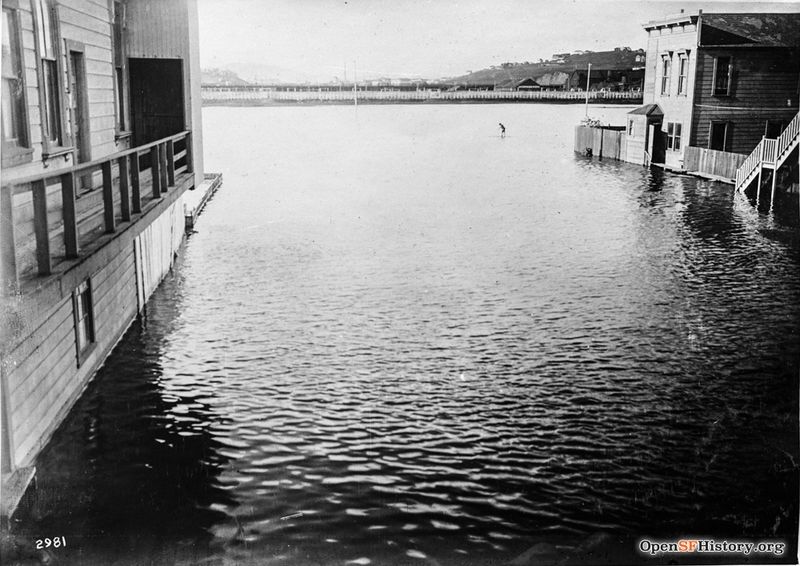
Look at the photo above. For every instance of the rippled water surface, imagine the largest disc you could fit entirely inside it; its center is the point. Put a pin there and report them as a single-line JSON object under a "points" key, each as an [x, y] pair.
{"points": [[396, 338]]}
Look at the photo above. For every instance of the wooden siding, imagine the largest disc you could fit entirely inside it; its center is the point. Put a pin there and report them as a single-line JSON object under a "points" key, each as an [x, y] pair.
{"points": [[43, 377], [42, 372], [763, 80], [146, 40], [635, 145], [677, 108], [156, 245], [87, 22], [39, 360]]}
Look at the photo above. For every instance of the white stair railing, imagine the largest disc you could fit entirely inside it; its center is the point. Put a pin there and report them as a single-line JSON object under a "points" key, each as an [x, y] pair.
{"points": [[769, 151], [787, 137], [749, 165]]}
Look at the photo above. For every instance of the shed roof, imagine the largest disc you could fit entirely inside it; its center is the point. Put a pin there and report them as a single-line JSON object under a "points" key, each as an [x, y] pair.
{"points": [[765, 29], [648, 110], [556, 78]]}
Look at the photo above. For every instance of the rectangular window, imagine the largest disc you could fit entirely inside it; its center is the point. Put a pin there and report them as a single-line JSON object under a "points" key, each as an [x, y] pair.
{"points": [[683, 74], [630, 127], [47, 43], [674, 136], [14, 114], [723, 70], [718, 137], [666, 63], [120, 82], [83, 312]]}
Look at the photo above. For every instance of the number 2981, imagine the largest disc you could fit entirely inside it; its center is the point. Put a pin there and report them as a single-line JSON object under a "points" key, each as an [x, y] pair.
{"points": [[56, 542]]}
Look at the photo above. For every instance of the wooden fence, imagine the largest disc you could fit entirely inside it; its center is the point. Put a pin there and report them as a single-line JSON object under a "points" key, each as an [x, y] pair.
{"points": [[605, 141], [212, 95], [712, 162]]}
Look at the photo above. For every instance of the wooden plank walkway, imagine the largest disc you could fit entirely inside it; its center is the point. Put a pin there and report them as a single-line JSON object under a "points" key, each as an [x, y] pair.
{"points": [[195, 200]]}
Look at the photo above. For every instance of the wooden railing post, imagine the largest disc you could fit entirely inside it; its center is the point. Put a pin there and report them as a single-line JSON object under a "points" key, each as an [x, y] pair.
{"points": [[108, 197], [40, 225], [8, 260], [124, 192], [155, 166], [162, 152], [171, 162], [69, 215], [189, 163], [136, 191]]}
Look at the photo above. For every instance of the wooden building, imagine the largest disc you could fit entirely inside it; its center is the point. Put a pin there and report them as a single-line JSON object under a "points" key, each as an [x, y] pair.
{"points": [[721, 81], [101, 137], [517, 85], [555, 80]]}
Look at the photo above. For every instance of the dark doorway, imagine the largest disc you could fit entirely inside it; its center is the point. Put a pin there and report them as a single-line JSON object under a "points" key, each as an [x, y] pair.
{"points": [[156, 98], [657, 143], [773, 129], [718, 138]]}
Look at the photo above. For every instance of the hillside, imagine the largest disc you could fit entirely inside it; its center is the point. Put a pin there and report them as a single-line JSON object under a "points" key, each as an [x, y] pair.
{"points": [[621, 58], [221, 77]]}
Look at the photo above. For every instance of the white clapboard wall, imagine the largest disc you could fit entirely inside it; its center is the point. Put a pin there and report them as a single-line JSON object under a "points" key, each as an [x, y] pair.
{"points": [[155, 250]]}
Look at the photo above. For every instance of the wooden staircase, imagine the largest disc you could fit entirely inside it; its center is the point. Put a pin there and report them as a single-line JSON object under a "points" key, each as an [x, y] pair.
{"points": [[769, 154]]}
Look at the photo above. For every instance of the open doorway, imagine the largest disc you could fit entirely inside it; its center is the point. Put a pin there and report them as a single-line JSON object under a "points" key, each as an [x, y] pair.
{"points": [[157, 105]]}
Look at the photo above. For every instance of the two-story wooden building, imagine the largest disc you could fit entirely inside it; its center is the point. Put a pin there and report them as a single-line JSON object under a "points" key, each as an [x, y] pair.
{"points": [[101, 137], [716, 82]]}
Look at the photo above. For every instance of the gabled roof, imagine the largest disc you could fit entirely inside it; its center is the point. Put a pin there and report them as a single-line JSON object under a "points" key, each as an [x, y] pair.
{"points": [[514, 83], [648, 110], [555, 78], [764, 29]]}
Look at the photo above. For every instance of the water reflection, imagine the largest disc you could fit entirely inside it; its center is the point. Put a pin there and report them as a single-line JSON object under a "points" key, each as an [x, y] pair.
{"points": [[134, 466], [394, 356]]}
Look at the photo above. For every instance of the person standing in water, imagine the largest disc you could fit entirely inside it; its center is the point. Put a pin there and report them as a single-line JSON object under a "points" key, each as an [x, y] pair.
{"points": [[502, 130]]}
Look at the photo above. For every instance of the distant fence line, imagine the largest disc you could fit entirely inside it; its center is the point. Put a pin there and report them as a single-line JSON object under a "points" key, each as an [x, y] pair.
{"points": [[227, 94]]}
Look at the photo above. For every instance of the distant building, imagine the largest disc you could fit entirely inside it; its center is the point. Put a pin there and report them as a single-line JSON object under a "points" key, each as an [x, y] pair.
{"points": [[518, 84], [715, 81], [556, 80]]}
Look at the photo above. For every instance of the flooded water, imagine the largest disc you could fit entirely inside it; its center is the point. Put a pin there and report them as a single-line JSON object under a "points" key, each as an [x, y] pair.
{"points": [[396, 338]]}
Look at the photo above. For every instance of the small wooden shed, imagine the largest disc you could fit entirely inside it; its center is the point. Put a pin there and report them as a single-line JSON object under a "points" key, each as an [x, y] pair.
{"points": [[639, 141]]}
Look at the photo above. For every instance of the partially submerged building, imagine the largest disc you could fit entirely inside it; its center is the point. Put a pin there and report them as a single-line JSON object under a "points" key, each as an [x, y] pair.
{"points": [[101, 138], [715, 85]]}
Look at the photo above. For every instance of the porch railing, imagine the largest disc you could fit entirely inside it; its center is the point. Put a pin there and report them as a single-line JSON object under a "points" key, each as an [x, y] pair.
{"points": [[48, 224]]}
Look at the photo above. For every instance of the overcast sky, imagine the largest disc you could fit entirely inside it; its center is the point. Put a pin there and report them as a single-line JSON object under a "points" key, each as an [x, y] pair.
{"points": [[315, 39]]}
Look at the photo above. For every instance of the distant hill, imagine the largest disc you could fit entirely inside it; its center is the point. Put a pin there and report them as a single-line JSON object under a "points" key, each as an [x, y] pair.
{"points": [[221, 77], [621, 58]]}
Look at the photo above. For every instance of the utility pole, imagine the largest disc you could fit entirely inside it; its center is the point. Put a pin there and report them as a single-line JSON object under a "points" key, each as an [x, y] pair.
{"points": [[588, 77], [355, 84]]}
